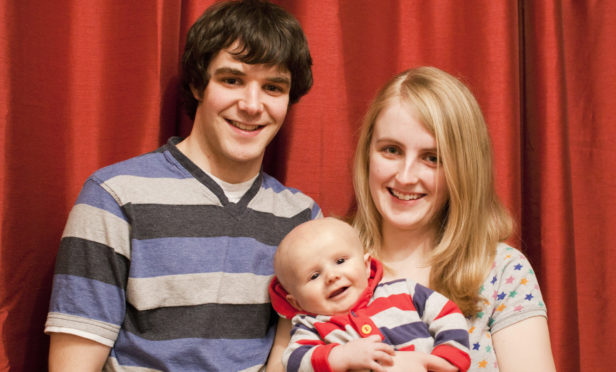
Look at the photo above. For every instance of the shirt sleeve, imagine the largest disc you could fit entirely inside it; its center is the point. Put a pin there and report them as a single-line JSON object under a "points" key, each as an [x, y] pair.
{"points": [[446, 323], [306, 351], [88, 294], [514, 291]]}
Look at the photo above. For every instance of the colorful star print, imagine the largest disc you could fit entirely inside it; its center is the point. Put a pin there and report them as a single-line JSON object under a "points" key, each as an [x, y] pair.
{"points": [[509, 292]]}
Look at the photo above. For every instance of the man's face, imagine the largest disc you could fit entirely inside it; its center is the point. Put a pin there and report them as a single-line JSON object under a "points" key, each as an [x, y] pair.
{"points": [[240, 111]]}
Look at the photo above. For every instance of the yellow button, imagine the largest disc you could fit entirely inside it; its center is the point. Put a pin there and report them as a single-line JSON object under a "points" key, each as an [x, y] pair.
{"points": [[366, 329]]}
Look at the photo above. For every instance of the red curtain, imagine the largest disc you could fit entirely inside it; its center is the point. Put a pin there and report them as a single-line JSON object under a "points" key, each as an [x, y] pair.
{"points": [[87, 83]]}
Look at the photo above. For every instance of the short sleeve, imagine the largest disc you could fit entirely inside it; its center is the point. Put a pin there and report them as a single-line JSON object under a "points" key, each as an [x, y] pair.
{"points": [[513, 290], [88, 295]]}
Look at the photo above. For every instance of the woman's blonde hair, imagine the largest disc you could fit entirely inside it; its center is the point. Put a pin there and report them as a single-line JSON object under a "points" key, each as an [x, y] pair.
{"points": [[473, 220]]}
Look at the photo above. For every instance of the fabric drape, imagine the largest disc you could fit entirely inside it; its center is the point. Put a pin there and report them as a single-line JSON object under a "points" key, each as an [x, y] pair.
{"points": [[86, 84]]}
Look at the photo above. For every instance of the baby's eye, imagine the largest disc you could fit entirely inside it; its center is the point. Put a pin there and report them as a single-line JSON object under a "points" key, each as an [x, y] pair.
{"points": [[314, 276], [340, 261]]}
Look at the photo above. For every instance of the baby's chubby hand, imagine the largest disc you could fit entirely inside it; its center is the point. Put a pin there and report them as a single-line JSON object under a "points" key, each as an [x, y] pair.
{"points": [[364, 353]]}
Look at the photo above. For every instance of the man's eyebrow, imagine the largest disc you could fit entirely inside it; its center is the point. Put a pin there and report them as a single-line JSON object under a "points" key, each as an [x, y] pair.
{"points": [[228, 70], [280, 80]]}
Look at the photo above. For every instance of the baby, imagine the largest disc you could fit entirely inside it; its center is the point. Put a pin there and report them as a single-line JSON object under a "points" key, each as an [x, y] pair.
{"points": [[344, 318]]}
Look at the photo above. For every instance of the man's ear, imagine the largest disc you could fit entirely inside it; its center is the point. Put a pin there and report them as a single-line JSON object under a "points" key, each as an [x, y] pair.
{"points": [[195, 93], [293, 302]]}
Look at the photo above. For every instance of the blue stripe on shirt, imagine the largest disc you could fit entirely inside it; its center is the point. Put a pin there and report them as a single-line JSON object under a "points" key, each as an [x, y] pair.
{"points": [[182, 354], [168, 256], [87, 298]]}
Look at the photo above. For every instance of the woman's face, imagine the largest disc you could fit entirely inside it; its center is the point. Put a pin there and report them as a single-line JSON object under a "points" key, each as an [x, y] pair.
{"points": [[406, 183]]}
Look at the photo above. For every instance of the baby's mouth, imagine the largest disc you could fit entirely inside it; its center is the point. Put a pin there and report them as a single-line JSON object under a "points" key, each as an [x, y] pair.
{"points": [[338, 292]]}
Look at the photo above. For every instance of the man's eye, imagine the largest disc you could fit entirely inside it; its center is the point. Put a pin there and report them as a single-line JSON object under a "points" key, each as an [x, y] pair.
{"points": [[231, 81], [273, 88], [340, 261], [314, 276]]}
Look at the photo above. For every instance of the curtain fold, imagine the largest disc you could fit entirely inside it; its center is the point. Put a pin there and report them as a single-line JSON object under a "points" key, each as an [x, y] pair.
{"points": [[86, 84], [547, 221]]}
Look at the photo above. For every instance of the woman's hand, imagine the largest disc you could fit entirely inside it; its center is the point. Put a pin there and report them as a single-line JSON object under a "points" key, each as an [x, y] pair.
{"points": [[416, 361]]}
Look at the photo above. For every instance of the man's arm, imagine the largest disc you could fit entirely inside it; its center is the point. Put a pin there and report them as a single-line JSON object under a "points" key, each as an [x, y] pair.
{"points": [[283, 335], [528, 337], [73, 353]]}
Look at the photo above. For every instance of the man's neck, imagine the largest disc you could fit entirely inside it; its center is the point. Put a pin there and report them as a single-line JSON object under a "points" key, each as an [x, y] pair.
{"points": [[209, 163]]}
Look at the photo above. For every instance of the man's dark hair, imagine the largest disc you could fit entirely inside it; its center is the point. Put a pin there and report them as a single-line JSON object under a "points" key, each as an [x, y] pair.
{"points": [[267, 34]]}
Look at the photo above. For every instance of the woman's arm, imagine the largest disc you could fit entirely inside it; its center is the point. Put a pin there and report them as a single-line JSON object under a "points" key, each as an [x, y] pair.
{"points": [[524, 346], [418, 361], [283, 335], [73, 353]]}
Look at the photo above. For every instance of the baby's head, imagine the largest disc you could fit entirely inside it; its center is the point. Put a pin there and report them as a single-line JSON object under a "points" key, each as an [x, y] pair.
{"points": [[321, 264]]}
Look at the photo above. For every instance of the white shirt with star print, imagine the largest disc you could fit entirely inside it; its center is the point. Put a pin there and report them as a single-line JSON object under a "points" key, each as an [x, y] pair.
{"points": [[511, 294]]}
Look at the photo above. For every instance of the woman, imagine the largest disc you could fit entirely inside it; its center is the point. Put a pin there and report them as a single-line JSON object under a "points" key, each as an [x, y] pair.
{"points": [[428, 210]]}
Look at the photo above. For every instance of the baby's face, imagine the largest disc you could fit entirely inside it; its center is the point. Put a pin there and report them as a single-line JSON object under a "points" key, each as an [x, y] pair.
{"points": [[328, 275]]}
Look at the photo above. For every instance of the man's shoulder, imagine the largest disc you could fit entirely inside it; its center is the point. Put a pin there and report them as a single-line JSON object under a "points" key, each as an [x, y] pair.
{"points": [[158, 163], [283, 199]]}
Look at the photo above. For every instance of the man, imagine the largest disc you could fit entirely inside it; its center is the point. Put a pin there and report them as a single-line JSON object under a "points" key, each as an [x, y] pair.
{"points": [[165, 259]]}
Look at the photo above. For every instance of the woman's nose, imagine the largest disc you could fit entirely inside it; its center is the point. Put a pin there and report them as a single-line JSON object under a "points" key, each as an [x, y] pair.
{"points": [[407, 172]]}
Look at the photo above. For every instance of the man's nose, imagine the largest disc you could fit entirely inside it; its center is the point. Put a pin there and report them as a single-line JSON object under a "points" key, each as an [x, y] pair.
{"points": [[250, 102]]}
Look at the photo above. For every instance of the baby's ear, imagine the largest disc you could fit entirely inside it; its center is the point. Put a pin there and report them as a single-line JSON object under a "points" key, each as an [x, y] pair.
{"points": [[367, 260], [293, 302]]}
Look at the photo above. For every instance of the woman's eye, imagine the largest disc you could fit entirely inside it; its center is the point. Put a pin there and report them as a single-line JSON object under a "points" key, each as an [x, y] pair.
{"points": [[314, 276], [340, 261], [391, 150], [432, 158]]}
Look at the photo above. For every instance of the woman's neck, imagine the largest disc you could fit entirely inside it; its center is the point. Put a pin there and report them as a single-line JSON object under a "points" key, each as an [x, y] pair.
{"points": [[407, 254]]}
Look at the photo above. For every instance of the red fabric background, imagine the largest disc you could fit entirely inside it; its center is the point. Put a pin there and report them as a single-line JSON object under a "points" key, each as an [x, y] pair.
{"points": [[87, 83]]}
